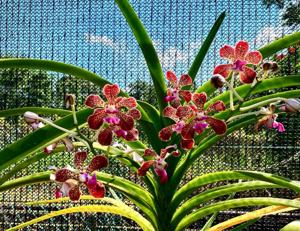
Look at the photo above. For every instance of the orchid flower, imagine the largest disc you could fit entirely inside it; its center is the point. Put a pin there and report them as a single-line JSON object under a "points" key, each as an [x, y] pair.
{"points": [[72, 179], [158, 162], [181, 115], [202, 117], [116, 116], [239, 56], [175, 93], [33, 120], [269, 119]]}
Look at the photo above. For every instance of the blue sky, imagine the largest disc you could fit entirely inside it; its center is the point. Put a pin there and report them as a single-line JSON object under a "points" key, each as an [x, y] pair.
{"points": [[94, 34]]}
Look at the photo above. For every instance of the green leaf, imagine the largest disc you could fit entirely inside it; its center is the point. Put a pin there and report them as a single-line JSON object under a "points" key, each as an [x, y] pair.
{"points": [[209, 178], [205, 46], [124, 211], [234, 203], [148, 50], [293, 226], [213, 193], [50, 65], [245, 225], [280, 44], [266, 85], [38, 110]]}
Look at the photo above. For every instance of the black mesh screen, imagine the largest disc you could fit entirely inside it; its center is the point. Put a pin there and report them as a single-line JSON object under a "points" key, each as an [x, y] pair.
{"points": [[94, 35]]}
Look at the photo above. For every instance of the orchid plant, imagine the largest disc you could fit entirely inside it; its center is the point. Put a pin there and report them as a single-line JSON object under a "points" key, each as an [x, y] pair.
{"points": [[186, 123]]}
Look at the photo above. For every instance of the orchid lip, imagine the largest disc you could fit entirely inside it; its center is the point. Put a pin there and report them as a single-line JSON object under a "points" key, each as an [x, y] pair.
{"points": [[238, 65]]}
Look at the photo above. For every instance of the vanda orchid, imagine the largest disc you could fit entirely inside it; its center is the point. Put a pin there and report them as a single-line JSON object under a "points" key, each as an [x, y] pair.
{"points": [[187, 122]]}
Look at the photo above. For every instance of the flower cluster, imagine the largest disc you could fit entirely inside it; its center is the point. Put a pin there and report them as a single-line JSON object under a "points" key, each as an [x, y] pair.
{"points": [[116, 116], [72, 179], [158, 162], [191, 118]]}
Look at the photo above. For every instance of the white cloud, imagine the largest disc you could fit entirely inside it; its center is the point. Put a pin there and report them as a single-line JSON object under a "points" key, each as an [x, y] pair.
{"points": [[105, 41], [268, 34], [171, 56]]}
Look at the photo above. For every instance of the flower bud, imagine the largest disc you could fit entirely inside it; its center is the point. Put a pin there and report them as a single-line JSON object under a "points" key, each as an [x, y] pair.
{"points": [[275, 67], [218, 81], [70, 100], [291, 105], [30, 117], [266, 66], [291, 50]]}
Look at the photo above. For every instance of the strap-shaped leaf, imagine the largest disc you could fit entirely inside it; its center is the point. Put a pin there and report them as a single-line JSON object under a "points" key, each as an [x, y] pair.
{"points": [[209, 178], [266, 85], [234, 203], [205, 46], [124, 211], [293, 226], [38, 110], [250, 217], [147, 48], [213, 193]]}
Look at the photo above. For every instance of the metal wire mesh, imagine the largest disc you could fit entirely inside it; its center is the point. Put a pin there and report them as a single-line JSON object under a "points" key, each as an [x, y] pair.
{"points": [[94, 35]]}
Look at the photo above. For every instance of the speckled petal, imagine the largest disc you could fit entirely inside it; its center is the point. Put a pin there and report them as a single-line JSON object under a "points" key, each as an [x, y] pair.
{"points": [[79, 159], [199, 100], [110, 91], [185, 80], [254, 57], [94, 101], [145, 167], [97, 163], [171, 77], [241, 49], [97, 190], [227, 52], [96, 119], [223, 70], [248, 75], [166, 133], [105, 137], [219, 126]]}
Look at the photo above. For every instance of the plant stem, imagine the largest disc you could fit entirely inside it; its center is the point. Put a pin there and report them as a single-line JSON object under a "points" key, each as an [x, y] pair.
{"points": [[242, 109], [231, 93], [56, 126]]}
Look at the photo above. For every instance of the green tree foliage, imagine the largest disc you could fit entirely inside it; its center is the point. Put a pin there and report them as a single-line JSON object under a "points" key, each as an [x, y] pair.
{"points": [[23, 87]]}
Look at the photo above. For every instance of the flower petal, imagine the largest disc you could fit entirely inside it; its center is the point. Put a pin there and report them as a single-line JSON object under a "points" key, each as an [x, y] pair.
{"points": [[74, 193], [188, 131], [227, 52], [199, 100], [241, 49], [61, 175], [134, 113], [254, 57], [132, 135], [97, 190], [110, 91], [145, 167], [170, 112], [187, 144], [248, 75], [185, 112], [126, 121], [68, 144], [223, 70], [162, 174], [49, 149], [96, 119], [217, 106], [186, 95], [219, 126], [166, 133], [185, 80], [105, 136], [94, 101], [79, 159], [171, 77], [149, 152], [127, 102], [97, 163]]}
